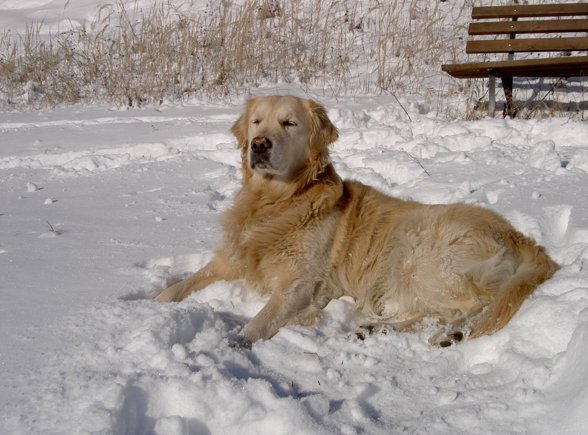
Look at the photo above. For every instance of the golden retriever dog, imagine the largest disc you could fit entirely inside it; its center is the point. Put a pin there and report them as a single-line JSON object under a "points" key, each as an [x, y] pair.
{"points": [[301, 235]]}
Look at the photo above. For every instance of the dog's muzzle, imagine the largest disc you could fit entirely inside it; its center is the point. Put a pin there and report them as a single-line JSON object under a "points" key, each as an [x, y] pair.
{"points": [[259, 152]]}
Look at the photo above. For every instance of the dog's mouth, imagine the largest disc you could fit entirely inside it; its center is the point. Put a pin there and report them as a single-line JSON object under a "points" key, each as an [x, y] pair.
{"points": [[257, 161], [260, 154]]}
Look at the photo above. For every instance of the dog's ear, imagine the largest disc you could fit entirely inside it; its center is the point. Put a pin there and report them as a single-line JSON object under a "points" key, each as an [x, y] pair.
{"points": [[322, 131], [239, 128], [322, 134]]}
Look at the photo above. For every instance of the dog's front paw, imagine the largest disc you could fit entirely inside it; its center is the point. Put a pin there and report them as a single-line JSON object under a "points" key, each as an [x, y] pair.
{"points": [[239, 342], [257, 330], [169, 294], [252, 333]]}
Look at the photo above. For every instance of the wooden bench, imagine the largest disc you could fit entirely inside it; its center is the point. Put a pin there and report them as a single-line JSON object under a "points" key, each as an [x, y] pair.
{"points": [[550, 33]]}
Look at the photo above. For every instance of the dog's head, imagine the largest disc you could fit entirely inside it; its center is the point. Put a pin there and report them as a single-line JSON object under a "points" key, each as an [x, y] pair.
{"points": [[284, 137]]}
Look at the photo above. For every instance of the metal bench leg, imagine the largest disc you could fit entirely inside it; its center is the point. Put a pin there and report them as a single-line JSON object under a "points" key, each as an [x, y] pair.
{"points": [[509, 109], [491, 95]]}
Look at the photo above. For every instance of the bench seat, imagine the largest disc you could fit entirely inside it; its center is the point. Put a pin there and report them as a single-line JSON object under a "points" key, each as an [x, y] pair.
{"points": [[543, 67]]}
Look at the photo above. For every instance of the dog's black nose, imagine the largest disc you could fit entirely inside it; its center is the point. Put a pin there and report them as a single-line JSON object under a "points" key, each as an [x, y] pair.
{"points": [[260, 144]]}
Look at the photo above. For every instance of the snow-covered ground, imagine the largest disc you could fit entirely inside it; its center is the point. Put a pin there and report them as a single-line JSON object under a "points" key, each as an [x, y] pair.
{"points": [[100, 207]]}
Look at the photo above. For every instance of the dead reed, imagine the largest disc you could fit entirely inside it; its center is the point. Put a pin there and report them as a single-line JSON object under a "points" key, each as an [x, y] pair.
{"points": [[132, 56]]}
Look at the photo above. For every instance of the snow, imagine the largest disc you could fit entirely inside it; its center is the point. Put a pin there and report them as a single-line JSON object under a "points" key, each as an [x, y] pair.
{"points": [[101, 207]]}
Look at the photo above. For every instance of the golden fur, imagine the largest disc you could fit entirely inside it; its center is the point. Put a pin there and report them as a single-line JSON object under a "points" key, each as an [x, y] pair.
{"points": [[301, 235]]}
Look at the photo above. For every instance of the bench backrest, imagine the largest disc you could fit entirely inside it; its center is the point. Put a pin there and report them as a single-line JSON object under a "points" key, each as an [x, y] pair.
{"points": [[569, 24]]}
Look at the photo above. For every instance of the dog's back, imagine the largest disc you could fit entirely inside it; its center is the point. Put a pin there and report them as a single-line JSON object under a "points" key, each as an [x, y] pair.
{"points": [[463, 264]]}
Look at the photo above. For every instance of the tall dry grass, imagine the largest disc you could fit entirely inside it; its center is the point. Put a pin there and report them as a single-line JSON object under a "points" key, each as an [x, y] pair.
{"points": [[132, 56]]}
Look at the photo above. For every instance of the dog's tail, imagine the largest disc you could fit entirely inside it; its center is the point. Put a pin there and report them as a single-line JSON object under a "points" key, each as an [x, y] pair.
{"points": [[534, 268]]}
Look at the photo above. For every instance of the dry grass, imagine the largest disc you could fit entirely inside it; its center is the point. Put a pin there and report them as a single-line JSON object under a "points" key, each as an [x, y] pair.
{"points": [[132, 56]]}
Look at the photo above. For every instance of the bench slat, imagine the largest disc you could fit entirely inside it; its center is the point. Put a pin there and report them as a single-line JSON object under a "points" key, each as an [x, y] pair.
{"points": [[536, 26], [518, 11], [526, 45], [545, 67]]}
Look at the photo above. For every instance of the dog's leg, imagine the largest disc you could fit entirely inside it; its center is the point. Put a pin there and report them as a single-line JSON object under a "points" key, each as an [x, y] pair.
{"points": [[267, 322], [387, 325], [214, 271], [298, 303]]}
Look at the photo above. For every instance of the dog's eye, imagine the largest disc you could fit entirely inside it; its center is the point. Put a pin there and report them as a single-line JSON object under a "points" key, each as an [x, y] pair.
{"points": [[289, 123], [255, 121]]}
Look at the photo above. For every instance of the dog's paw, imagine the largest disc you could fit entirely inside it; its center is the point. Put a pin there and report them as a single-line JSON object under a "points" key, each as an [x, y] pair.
{"points": [[170, 294], [260, 328], [446, 338], [371, 329], [164, 296], [239, 342]]}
